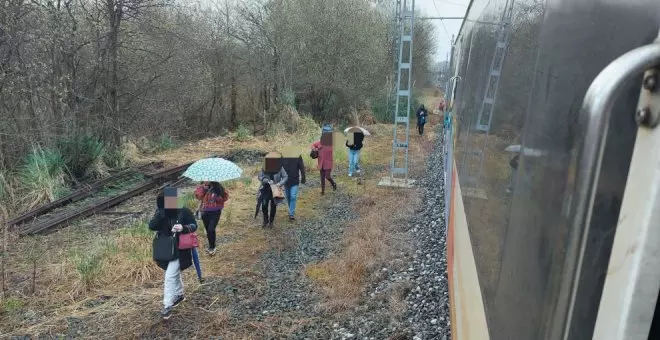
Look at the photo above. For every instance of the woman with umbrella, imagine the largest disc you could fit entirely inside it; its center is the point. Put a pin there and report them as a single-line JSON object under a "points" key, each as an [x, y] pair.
{"points": [[354, 144], [212, 197], [212, 170]]}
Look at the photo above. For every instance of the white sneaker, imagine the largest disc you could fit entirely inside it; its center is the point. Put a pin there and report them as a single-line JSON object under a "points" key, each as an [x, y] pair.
{"points": [[350, 175]]}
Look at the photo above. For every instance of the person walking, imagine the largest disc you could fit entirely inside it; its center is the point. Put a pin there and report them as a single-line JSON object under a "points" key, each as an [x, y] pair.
{"points": [[295, 170], [212, 197], [272, 177], [170, 221], [514, 169], [324, 149], [421, 118], [354, 152]]}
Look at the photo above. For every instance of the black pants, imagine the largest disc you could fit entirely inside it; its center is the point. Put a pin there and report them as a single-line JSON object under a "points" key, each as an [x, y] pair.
{"points": [[211, 219], [325, 174], [273, 209], [420, 128]]}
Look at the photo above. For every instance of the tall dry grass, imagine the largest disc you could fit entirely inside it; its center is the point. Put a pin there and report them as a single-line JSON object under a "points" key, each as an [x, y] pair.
{"points": [[369, 244]]}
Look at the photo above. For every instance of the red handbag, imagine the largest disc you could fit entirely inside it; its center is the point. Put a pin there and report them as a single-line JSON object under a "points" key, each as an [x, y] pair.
{"points": [[188, 241]]}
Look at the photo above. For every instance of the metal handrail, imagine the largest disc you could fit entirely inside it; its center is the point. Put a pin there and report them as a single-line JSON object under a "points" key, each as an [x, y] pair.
{"points": [[595, 114]]}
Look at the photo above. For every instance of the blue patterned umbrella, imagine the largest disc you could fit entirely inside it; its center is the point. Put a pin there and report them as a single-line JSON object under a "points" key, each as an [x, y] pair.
{"points": [[213, 170]]}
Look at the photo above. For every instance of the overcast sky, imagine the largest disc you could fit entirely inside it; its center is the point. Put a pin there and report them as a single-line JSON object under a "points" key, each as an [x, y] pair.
{"points": [[445, 28]]}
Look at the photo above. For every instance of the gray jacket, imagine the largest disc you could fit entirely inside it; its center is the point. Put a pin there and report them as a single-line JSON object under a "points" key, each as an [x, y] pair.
{"points": [[280, 178]]}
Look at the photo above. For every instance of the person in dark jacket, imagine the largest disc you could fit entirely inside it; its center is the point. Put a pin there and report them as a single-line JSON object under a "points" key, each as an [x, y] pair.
{"points": [[295, 170], [421, 118], [173, 219], [354, 152], [212, 196], [514, 169], [272, 174]]}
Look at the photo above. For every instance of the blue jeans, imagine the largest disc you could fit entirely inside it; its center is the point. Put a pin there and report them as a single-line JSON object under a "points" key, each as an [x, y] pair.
{"points": [[353, 159], [291, 196]]}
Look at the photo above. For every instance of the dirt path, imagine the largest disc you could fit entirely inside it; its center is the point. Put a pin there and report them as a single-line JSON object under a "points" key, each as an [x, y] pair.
{"points": [[303, 280], [272, 298]]}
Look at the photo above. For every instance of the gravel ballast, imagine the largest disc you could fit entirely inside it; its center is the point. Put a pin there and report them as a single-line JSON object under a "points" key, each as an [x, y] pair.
{"points": [[418, 276]]}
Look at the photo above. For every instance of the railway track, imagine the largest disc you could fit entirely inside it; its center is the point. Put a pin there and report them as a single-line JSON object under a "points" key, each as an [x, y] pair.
{"points": [[80, 194], [46, 224]]}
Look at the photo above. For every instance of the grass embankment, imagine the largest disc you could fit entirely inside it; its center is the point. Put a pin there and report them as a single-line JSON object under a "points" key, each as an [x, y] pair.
{"points": [[101, 267]]}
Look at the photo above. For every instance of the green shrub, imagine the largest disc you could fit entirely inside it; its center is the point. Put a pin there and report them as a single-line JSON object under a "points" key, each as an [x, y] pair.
{"points": [[115, 157], [137, 229], [242, 133], [274, 129], [89, 262], [165, 142], [382, 109], [80, 153], [228, 216], [89, 265], [309, 128], [190, 201], [42, 175], [288, 97], [11, 305], [4, 186]]}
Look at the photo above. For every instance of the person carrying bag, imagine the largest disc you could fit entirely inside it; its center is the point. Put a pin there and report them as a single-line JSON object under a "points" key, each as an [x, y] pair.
{"points": [[171, 222], [272, 177]]}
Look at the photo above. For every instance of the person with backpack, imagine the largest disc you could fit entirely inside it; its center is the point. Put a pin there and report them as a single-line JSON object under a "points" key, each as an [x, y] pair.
{"points": [[514, 169], [295, 170], [171, 222], [212, 197], [354, 152], [323, 150], [272, 177], [421, 118]]}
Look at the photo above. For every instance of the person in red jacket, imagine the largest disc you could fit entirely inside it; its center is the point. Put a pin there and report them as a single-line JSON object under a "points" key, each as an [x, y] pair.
{"points": [[212, 197], [324, 149]]}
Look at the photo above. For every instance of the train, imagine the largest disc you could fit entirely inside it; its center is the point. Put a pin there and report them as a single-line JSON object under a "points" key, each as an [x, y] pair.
{"points": [[552, 170]]}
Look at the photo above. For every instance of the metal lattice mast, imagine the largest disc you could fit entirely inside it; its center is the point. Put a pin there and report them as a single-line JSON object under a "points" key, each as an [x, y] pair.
{"points": [[485, 116], [403, 91], [391, 95]]}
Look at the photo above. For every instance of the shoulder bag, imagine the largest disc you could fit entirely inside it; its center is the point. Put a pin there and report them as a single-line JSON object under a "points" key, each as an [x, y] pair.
{"points": [[187, 241], [277, 191], [164, 248]]}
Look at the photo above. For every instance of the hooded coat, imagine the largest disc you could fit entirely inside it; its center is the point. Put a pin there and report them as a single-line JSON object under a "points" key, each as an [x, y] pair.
{"points": [[421, 115], [280, 178], [163, 221], [324, 161]]}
